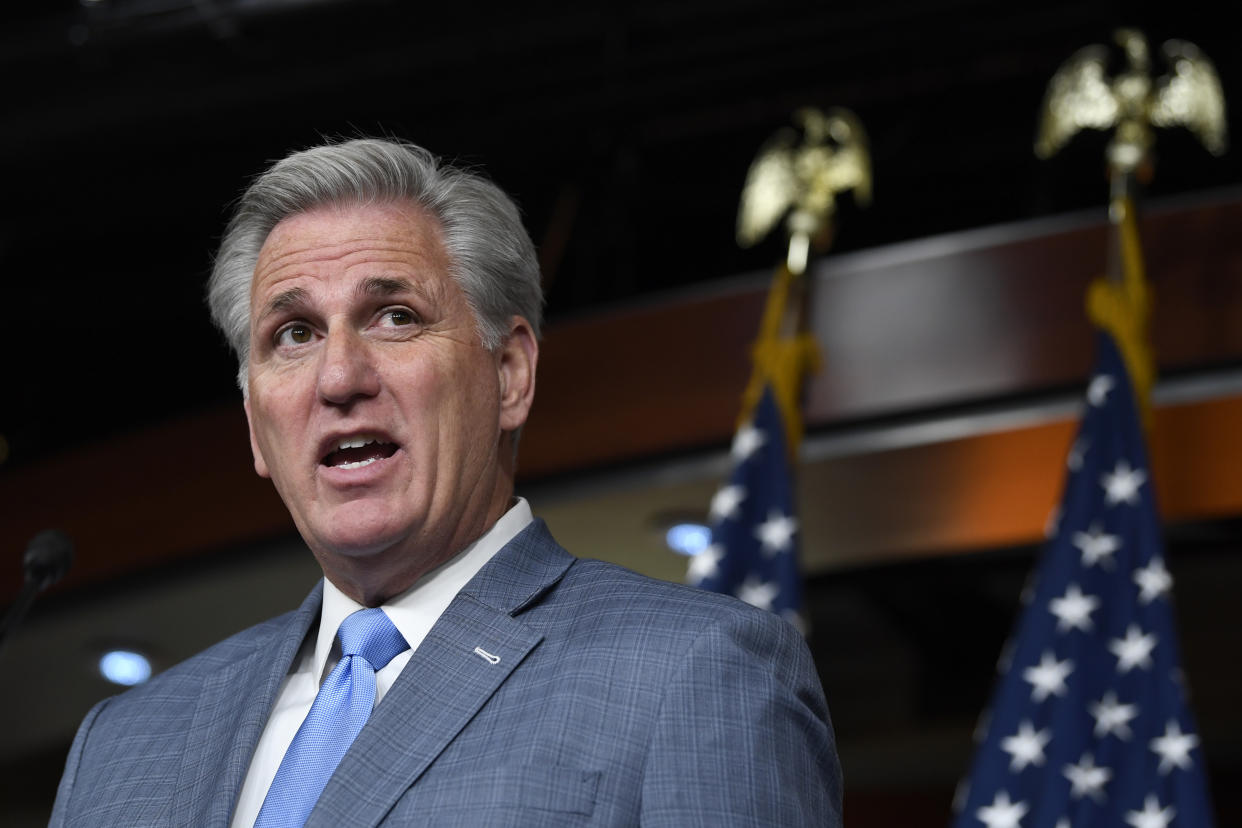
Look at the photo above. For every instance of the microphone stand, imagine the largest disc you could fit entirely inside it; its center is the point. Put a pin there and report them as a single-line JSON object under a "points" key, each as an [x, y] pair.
{"points": [[47, 559]]}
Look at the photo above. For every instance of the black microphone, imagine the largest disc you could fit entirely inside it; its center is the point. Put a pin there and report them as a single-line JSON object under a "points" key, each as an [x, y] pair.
{"points": [[47, 559]]}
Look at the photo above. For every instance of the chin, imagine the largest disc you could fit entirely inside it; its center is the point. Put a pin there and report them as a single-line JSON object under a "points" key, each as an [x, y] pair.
{"points": [[362, 532]]}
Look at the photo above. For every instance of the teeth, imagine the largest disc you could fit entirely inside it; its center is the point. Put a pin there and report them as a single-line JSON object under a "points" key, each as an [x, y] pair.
{"points": [[355, 442], [358, 463]]}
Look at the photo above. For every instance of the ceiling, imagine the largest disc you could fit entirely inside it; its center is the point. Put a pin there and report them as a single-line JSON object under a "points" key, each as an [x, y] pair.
{"points": [[624, 130]]}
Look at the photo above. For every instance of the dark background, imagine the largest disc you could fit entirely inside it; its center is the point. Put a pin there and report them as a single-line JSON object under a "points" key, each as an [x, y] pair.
{"points": [[623, 129]]}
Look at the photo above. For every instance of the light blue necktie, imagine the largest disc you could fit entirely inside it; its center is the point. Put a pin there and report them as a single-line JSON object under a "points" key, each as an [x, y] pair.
{"points": [[368, 642]]}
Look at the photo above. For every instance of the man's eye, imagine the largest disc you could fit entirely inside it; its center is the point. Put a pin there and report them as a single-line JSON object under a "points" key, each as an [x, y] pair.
{"points": [[294, 335], [397, 317]]}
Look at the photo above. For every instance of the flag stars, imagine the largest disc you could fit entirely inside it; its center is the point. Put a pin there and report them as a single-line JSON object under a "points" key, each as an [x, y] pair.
{"points": [[1087, 779], [1098, 388], [746, 442], [1134, 650], [1152, 815], [1002, 813], [776, 533], [1112, 717], [1026, 746], [1097, 546], [1153, 581], [1048, 677], [758, 593], [706, 564], [753, 550], [1071, 740], [1073, 609], [726, 501], [1121, 485], [1174, 747]]}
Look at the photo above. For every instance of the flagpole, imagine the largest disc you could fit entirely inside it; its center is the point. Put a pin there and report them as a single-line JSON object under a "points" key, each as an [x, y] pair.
{"points": [[1090, 724], [796, 176]]}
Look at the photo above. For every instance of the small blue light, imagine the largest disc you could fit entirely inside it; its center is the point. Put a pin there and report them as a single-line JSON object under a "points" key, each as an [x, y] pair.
{"points": [[125, 667], [688, 538]]}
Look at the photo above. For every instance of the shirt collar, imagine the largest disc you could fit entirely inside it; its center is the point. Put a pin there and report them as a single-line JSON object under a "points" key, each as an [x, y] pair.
{"points": [[414, 611]]}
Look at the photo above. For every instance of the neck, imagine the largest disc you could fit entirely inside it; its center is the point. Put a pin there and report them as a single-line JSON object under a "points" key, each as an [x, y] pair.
{"points": [[373, 579]]}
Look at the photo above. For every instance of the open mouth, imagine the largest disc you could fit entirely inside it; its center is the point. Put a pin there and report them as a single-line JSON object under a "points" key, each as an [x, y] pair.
{"points": [[356, 452]]}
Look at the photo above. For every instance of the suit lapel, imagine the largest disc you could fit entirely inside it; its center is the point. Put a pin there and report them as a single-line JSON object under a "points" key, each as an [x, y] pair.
{"points": [[232, 710], [470, 652]]}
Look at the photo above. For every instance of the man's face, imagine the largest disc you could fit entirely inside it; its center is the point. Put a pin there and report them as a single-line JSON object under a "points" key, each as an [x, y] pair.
{"points": [[373, 407]]}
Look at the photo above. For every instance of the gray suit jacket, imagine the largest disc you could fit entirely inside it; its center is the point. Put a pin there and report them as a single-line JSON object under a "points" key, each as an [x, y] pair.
{"points": [[617, 700]]}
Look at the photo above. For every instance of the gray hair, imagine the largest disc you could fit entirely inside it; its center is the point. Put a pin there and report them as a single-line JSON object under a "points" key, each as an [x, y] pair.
{"points": [[490, 253]]}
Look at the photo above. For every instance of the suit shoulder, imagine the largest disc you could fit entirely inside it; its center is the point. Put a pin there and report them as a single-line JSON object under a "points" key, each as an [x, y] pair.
{"points": [[607, 588], [612, 579], [240, 643], [601, 608], [187, 675]]}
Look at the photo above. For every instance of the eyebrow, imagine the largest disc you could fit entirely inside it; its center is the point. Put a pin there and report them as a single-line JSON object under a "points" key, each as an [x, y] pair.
{"points": [[283, 301], [374, 286], [383, 286]]}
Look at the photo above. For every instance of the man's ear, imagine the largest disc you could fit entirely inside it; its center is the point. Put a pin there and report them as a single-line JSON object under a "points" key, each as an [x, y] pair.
{"points": [[518, 356], [260, 465]]}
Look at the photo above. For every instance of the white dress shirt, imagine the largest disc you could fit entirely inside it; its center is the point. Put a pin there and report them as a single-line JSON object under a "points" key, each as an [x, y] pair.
{"points": [[413, 612]]}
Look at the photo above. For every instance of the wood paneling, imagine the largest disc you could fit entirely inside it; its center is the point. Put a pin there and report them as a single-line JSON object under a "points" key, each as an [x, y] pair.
{"points": [[918, 326]]}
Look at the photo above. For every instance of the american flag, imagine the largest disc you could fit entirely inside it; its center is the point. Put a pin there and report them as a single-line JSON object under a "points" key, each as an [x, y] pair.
{"points": [[1090, 724], [754, 550]]}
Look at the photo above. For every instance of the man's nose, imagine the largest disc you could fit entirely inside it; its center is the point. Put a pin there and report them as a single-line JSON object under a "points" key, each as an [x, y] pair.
{"points": [[346, 370]]}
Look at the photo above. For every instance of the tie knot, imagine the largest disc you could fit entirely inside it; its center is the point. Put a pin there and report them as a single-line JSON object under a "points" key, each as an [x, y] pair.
{"points": [[369, 633]]}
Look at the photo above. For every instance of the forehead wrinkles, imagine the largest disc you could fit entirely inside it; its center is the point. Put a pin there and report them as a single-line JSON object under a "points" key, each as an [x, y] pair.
{"points": [[333, 232], [282, 290], [332, 240], [299, 253]]}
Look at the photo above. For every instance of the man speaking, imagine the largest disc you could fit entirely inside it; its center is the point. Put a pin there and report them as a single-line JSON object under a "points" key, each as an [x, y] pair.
{"points": [[455, 666]]}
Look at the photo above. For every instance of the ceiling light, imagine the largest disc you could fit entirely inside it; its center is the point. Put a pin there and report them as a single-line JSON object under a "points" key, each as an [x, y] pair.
{"points": [[688, 538], [125, 667]]}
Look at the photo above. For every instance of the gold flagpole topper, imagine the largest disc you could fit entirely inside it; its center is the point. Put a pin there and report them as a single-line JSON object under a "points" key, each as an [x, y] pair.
{"points": [[801, 175], [1081, 95], [797, 172]]}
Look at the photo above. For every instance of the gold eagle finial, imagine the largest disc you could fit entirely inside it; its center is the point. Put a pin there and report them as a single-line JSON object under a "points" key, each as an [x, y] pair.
{"points": [[1081, 95], [801, 175]]}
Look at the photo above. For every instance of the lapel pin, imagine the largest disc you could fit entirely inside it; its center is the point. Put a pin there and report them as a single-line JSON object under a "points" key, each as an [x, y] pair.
{"points": [[486, 656]]}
